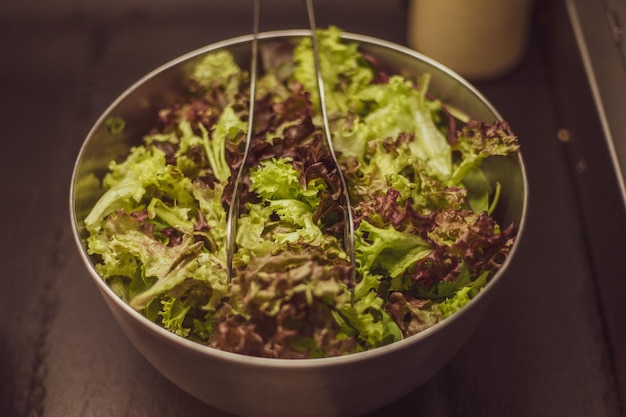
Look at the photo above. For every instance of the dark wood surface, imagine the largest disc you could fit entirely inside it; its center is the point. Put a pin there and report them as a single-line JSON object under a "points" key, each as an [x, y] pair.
{"points": [[542, 349]]}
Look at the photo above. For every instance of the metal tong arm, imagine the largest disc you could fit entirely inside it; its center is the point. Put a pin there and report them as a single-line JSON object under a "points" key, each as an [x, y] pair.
{"points": [[233, 211], [348, 216]]}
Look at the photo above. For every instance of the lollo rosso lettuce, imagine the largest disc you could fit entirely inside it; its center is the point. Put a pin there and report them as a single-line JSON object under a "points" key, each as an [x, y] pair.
{"points": [[425, 241]]}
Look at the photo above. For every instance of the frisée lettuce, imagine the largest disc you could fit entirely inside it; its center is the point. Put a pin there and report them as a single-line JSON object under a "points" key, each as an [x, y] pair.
{"points": [[425, 239]]}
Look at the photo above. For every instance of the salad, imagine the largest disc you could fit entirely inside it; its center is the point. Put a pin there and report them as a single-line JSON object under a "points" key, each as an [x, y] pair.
{"points": [[425, 240]]}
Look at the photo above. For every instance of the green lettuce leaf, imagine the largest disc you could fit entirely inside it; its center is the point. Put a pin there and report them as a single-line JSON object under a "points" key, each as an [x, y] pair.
{"points": [[126, 183], [218, 71], [398, 107], [479, 140], [344, 70], [388, 248]]}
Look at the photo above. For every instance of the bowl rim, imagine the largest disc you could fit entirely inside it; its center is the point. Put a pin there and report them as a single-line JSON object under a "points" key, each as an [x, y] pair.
{"points": [[246, 360]]}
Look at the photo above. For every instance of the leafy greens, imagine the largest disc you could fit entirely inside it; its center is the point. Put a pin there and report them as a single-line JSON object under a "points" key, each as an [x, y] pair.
{"points": [[426, 243]]}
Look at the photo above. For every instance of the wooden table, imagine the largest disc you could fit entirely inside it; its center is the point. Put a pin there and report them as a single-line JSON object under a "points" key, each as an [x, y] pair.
{"points": [[542, 350]]}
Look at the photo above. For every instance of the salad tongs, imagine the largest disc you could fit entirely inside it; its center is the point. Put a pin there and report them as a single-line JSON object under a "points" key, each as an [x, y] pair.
{"points": [[233, 213]]}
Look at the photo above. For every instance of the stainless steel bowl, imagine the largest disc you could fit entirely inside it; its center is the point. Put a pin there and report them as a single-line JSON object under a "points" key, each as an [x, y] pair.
{"points": [[248, 386]]}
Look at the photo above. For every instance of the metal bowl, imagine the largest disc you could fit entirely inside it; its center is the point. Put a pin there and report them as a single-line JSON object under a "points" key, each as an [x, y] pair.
{"points": [[249, 386]]}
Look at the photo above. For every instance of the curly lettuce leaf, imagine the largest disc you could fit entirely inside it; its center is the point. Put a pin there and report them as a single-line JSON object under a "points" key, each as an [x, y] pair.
{"points": [[398, 107], [173, 315], [171, 216], [181, 316], [344, 70], [367, 320], [388, 248], [463, 295], [228, 127], [388, 167], [218, 71], [211, 222], [478, 140], [126, 183], [366, 317], [276, 179], [285, 204], [411, 314], [122, 234], [282, 306], [203, 268]]}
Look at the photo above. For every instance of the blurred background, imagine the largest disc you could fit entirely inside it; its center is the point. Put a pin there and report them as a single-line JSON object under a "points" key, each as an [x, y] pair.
{"points": [[553, 343]]}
